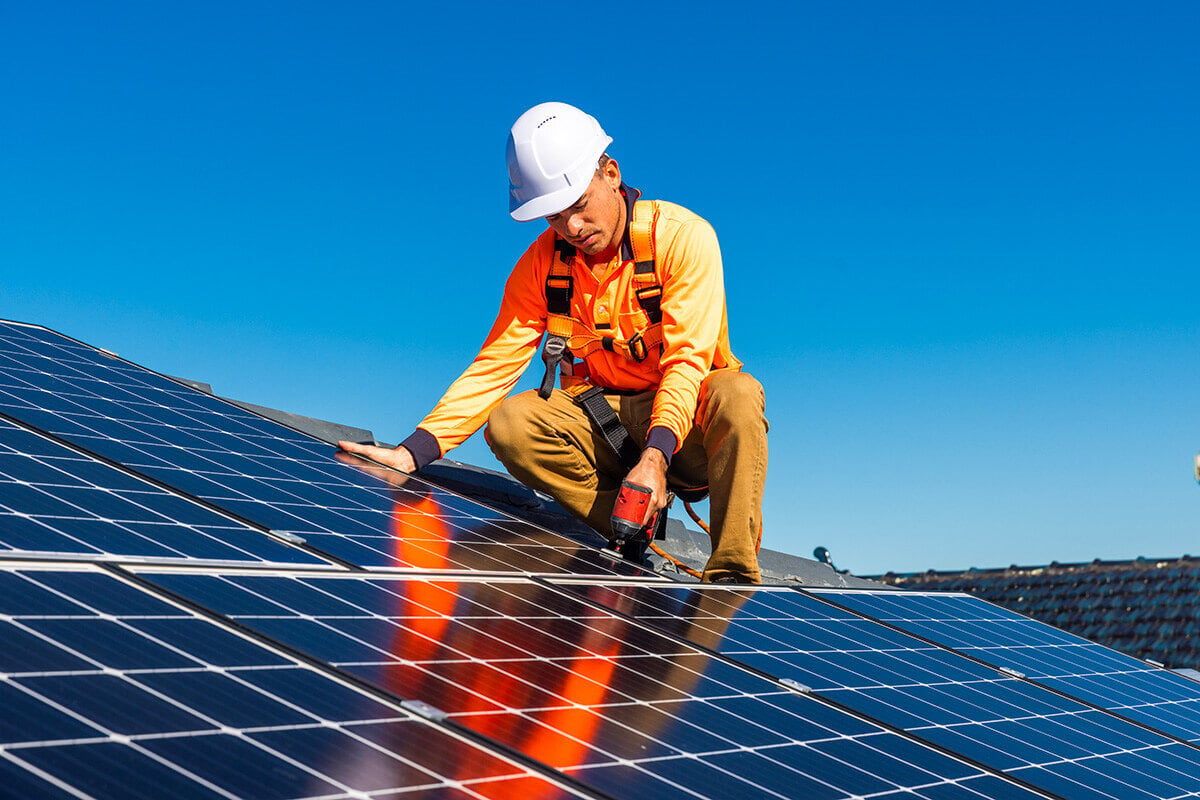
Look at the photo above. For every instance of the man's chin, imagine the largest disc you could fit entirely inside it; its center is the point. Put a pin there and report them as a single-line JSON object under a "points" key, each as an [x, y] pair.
{"points": [[593, 245]]}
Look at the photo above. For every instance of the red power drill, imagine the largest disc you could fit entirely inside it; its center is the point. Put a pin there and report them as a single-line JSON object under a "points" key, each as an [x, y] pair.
{"points": [[630, 536]]}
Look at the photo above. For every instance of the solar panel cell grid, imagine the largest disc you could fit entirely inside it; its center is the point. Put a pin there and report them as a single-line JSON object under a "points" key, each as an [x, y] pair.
{"points": [[263, 471], [1055, 658], [111, 692], [612, 703], [1000, 721], [55, 500]]}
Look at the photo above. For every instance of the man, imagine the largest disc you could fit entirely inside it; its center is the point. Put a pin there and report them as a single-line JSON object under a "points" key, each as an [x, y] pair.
{"points": [[652, 334]]}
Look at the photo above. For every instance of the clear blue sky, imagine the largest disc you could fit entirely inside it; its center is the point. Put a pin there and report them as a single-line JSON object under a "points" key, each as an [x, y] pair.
{"points": [[961, 239]]}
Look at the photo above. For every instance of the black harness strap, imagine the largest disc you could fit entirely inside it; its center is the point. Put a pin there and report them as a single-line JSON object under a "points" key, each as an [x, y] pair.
{"points": [[595, 405], [650, 297]]}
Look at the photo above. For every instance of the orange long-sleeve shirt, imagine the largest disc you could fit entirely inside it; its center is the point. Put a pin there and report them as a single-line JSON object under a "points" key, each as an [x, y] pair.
{"points": [[694, 327]]}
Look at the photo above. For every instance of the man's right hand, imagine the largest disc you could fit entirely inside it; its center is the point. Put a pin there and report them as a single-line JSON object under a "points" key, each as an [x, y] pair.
{"points": [[399, 459]]}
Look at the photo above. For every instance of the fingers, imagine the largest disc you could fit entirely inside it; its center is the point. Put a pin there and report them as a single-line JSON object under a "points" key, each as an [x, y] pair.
{"points": [[396, 464], [651, 472], [398, 458], [366, 450]]}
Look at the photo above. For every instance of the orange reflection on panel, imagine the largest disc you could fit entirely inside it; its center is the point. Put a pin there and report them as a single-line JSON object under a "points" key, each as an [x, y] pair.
{"points": [[426, 608], [422, 536], [586, 686]]}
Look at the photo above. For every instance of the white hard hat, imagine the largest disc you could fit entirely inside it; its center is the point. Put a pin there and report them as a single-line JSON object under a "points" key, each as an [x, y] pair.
{"points": [[553, 149]]}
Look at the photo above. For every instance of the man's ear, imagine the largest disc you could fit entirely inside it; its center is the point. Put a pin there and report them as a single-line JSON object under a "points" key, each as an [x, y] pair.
{"points": [[612, 174]]}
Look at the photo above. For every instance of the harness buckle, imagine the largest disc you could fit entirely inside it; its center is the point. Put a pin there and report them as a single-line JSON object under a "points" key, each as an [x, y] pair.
{"points": [[637, 348], [558, 293], [553, 352]]}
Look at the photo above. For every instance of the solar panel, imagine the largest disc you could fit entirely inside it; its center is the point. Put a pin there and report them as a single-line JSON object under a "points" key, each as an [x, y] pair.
{"points": [[110, 692], [156, 641], [265, 472], [1052, 742], [619, 707], [1052, 657], [54, 500]]}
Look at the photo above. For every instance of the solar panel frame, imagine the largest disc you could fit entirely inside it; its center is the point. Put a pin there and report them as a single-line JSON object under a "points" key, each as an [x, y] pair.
{"points": [[223, 716], [458, 640], [207, 447]]}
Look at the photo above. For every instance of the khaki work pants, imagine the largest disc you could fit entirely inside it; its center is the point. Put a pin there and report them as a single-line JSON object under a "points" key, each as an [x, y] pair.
{"points": [[550, 445]]}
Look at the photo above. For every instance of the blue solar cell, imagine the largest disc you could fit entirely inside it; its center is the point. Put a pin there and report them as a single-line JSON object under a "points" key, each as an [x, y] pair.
{"points": [[18, 782], [29, 719], [18, 596], [943, 698], [25, 651], [261, 470], [570, 685], [1052, 657]]}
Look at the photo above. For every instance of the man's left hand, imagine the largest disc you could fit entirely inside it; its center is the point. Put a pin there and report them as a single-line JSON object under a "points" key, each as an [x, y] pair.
{"points": [[368, 457], [651, 472]]}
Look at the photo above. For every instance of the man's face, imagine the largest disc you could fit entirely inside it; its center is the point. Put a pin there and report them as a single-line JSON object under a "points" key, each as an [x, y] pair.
{"points": [[595, 223]]}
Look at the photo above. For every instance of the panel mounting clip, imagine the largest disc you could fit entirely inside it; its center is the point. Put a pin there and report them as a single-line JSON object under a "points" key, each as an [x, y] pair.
{"points": [[290, 538], [796, 686], [1011, 671], [423, 710]]}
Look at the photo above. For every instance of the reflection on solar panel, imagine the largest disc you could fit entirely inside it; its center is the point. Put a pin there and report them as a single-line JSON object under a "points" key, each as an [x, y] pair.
{"points": [[606, 701], [55, 500], [113, 693], [1050, 741], [157, 641], [261, 470], [1052, 657]]}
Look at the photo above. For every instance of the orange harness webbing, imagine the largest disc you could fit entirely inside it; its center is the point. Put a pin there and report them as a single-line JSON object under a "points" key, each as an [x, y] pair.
{"points": [[568, 338]]}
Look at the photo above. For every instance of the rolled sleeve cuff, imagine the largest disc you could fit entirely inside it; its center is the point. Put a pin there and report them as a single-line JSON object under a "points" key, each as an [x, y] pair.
{"points": [[662, 439], [424, 447]]}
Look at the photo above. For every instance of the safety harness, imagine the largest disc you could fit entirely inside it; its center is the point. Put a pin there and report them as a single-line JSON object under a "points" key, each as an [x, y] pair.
{"points": [[568, 337]]}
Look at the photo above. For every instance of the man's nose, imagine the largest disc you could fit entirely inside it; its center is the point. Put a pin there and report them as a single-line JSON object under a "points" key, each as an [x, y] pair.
{"points": [[574, 224]]}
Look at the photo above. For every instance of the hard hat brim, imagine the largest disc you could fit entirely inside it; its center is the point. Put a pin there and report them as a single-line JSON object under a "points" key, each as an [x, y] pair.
{"points": [[549, 204]]}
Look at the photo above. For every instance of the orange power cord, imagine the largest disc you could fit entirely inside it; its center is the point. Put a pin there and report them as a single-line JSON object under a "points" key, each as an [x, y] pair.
{"points": [[703, 526]]}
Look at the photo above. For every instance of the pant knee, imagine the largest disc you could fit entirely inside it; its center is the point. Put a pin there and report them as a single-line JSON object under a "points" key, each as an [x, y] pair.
{"points": [[736, 396], [746, 394], [508, 426]]}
